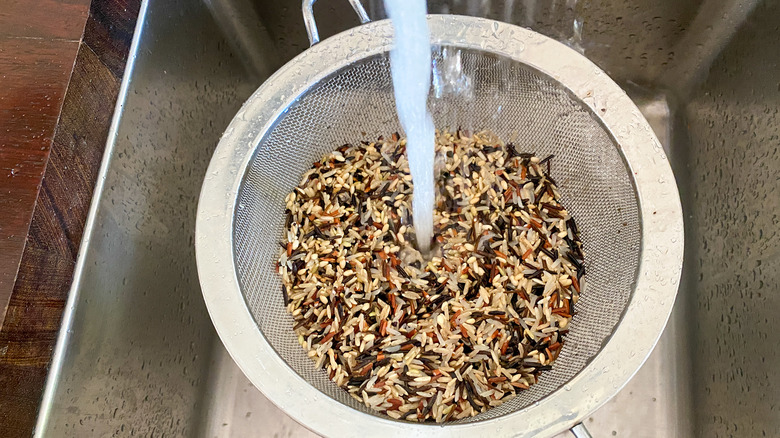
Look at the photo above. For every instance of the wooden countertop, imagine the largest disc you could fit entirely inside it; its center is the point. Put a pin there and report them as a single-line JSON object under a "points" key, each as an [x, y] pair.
{"points": [[61, 62], [38, 44]]}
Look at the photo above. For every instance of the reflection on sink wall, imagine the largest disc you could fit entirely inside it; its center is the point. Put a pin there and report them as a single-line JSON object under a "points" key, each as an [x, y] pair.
{"points": [[141, 355]]}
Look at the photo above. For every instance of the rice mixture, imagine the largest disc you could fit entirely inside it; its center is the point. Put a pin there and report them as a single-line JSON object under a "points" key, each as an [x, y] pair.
{"points": [[444, 337]]}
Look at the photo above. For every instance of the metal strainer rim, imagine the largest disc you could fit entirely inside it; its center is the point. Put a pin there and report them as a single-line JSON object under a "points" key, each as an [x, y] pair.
{"points": [[602, 378]]}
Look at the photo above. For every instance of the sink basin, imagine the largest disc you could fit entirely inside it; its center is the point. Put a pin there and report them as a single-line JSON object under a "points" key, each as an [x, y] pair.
{"points": [[138, 355]]}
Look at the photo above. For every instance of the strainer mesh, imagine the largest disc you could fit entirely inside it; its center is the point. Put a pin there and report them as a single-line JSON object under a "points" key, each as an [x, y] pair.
{"points": [[510, 99]]}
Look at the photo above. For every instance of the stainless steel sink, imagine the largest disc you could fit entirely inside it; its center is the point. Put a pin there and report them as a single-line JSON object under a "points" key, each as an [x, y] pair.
{"points": [[137, 354]]}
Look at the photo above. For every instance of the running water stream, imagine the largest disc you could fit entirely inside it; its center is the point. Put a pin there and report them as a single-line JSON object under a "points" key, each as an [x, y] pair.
{"points": [[410, 64]]}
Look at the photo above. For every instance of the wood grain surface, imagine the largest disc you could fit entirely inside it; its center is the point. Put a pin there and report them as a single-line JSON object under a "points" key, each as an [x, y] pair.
{"points": [[45, 19], [34, 74], [109, 31], [33, 319], [37, 52]]}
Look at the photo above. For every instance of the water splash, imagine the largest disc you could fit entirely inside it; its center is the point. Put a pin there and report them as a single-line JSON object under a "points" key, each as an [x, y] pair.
{"points": [[410, 64], [575, 42], [530, 13], [509, 7], [448, 76]]}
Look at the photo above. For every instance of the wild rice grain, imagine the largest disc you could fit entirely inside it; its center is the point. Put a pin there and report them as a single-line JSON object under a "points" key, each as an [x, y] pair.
{"points": [[441, 338]]}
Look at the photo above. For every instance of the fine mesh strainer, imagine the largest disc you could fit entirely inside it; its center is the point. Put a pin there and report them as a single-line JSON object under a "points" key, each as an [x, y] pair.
{"points": [[610, 168]]}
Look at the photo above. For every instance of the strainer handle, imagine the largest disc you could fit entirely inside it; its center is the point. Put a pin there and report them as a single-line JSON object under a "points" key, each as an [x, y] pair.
{"points": [[580, 431], [311, 24]]}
